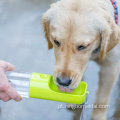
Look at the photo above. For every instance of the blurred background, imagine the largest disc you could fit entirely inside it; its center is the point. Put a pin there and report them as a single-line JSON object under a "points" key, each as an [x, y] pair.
{"points": [[23, 44]]}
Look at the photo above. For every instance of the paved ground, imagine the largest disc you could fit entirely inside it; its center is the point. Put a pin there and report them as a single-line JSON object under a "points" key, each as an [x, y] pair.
{"points": [[22, 43]]}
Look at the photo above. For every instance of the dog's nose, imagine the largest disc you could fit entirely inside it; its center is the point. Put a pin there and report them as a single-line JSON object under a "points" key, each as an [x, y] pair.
{"points": [[64, 81]]}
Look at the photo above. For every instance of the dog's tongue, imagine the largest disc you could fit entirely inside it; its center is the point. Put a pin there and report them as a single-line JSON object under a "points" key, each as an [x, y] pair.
{"points": [[62, 89]]}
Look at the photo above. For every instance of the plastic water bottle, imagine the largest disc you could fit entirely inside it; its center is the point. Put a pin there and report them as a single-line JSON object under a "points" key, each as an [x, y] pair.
{"points": [[36, 85], [42, 86]]}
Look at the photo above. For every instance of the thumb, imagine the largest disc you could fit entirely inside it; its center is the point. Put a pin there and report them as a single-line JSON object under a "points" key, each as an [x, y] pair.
{"points": [[9, 67]]}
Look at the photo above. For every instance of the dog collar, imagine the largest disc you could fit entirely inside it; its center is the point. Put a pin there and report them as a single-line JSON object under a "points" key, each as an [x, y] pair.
{"points": [[114, 3]]}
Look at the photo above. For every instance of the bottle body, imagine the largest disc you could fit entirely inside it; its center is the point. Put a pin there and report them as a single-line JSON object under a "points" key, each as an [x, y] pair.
{"points": [[20, 81], [42, 86]]}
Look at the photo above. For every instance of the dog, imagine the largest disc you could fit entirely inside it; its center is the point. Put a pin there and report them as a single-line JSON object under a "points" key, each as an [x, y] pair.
{"points": [[79, 31]]}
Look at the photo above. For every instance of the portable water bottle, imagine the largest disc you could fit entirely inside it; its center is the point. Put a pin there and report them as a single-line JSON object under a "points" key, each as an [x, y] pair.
{"points": [[41, 86]]}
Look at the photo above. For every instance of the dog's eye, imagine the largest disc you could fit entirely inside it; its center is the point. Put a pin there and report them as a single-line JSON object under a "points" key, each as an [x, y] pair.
{"points": [[56, 42], [81, 48]]}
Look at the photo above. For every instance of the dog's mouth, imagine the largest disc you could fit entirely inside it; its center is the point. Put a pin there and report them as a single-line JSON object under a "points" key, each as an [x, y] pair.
{"points": [[64, 89]]}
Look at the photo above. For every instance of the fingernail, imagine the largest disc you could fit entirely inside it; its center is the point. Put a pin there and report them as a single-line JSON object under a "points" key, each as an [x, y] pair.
{"points": [[18, 99]]}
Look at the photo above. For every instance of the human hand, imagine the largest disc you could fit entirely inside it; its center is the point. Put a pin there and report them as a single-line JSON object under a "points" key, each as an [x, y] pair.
{"points": [[7, 92]]}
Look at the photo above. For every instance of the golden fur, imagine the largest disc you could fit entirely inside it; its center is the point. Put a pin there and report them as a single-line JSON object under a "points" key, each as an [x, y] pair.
{"points": [[85, 23]]}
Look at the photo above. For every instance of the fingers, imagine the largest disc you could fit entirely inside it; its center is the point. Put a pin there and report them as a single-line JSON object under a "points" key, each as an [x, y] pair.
{"points": [[4, 97], [10, 67], [7, 92], [13, 94], [6, 66], [8, 89]]}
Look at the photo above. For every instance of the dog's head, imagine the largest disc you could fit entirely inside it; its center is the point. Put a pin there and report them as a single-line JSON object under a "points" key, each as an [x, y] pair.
{"points": [[75, 29]]}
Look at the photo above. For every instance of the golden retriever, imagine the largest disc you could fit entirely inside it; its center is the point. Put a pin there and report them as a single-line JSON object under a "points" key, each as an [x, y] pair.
{"points": [[80, 30]]}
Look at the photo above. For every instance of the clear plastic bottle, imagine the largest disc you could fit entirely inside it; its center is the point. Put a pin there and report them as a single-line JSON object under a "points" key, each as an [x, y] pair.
{"points": [[42, 86], [20, 81]]}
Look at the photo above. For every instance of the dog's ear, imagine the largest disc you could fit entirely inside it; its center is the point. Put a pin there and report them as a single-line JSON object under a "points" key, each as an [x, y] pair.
{"points": [[110, 36], [46, 27]]}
